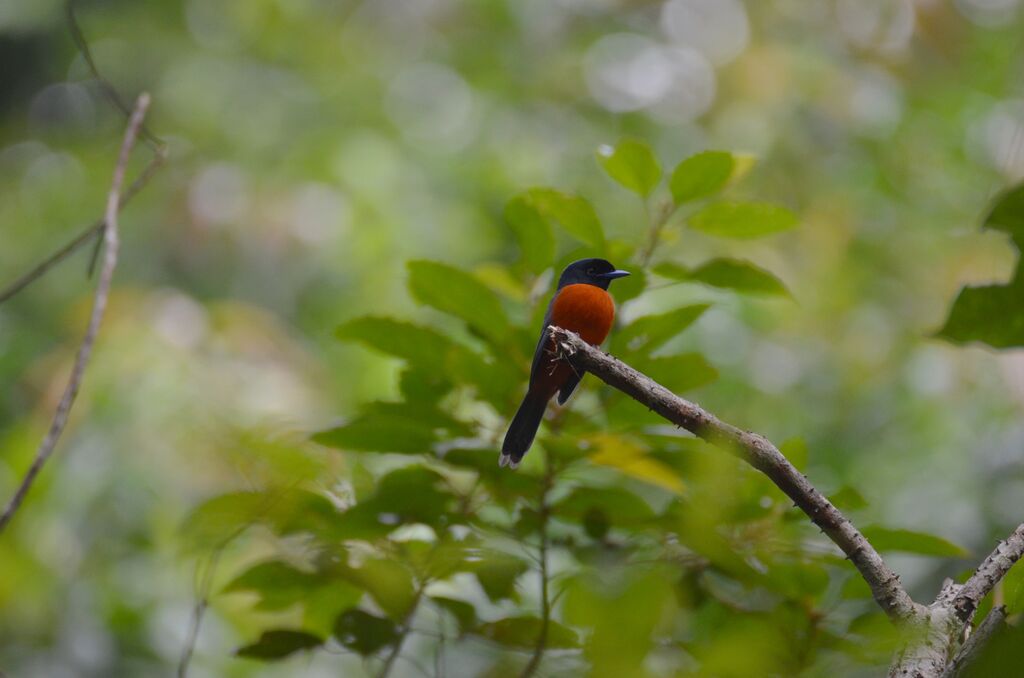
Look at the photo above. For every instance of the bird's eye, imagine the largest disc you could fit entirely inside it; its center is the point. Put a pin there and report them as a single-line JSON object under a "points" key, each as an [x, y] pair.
{"points": [[591, 271]]}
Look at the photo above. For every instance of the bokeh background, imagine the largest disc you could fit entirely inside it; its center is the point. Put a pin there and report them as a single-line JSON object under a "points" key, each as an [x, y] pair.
{"points": [[316, 146]]}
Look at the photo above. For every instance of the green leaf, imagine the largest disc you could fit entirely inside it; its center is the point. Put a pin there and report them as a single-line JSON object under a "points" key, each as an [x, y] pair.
{"points": [[630, 457], [847, 498], [795, 450], [732, 274], [436, 355], [422, 386], [212, 523], [797, 580], [278, 584], [533, 231], [455, 292], [1013, 588], [463, 612], [1007, 215], [617, 506], [742, 219], [679, 373], [286, 511], [363, 632], [993, 315], [404, 496], [701, 175], [417, 345], [389, 582], [908, 541], [571, 212], [497, 574], [278, 644], [650, 332], [379, 434], [632, 164], [523, 632]]}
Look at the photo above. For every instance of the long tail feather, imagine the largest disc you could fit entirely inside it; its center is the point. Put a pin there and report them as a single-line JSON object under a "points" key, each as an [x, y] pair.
{"points": [[522, 430]]}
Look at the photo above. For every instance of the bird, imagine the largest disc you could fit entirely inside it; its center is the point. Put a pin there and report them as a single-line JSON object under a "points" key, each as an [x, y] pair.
{"points": [[581, 304]]}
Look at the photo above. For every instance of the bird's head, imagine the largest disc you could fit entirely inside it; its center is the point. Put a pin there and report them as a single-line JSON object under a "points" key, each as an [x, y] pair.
{"points": [[596, 272]]}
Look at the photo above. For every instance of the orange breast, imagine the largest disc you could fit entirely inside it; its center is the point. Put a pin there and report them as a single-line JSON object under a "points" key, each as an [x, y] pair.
{"points": [[586, 310]]}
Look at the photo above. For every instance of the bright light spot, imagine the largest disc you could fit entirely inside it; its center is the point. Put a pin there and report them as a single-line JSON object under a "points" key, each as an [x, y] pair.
{"points": [[218, 195], [627, 72], [930, 371], [989, 13], [998, 138], [52, 170], [719, 29], [774, 368], [432, 106], [723, 338], [886, 25], [876, 103], [180, 321], [368, 163], [693, 87], [318, 213], [63, 105]]}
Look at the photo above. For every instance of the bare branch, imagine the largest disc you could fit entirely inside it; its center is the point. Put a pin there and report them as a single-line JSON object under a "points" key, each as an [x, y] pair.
{"points": [[988, 574], [974, 646], [93, 230], [756, 451], [110, 235], [109, 91]]}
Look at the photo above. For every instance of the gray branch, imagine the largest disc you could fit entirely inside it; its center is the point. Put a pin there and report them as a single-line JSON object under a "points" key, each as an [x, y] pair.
{"points": [[989, 573], [756, 451], [974, 646], [933, 631], [110, 237]]}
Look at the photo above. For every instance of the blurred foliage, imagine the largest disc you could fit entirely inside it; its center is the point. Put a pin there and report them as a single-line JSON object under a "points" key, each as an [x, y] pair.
{"points": [[357, 235]]}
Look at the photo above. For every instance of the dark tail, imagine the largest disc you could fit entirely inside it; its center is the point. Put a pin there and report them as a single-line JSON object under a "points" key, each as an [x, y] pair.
{"points": [[522, 430]]}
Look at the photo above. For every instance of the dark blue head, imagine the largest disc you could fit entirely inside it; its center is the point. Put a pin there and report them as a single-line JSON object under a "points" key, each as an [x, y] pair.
{"points": [[596, 272]]}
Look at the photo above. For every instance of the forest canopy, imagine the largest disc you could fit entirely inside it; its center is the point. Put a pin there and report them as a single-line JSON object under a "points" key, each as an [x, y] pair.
{"points": [[273, 275]]}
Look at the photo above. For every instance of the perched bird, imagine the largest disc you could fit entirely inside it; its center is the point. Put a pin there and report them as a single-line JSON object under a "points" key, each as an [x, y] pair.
{"points": [[582, 305]]}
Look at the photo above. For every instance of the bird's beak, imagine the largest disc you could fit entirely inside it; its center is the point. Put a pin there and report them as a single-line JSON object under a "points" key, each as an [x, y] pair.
{"points": [[613, 275]]}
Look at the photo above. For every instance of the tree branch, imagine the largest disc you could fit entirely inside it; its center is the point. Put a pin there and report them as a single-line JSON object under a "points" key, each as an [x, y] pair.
{"points": [[988, 574], [974, 646], [545, 600], [92, 230], [110, 235], [754, 449]]}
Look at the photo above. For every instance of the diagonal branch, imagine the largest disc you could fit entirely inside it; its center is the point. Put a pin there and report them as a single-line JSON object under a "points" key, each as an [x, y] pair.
{"points": [[92, 230], [756, 451], [961, 664], [988, 574], [110, 236]]}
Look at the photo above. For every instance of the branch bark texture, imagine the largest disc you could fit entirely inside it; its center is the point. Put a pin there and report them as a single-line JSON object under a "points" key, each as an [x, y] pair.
{"points": [[756, 451], [933, 631], [111, 241]]}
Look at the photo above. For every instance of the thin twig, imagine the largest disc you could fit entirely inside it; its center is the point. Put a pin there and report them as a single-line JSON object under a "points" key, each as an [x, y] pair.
{"points": [[109, 91], [202, 590], [545, 602], [989, 573], [110, 235], [389, 662], [94, 229], [759, 453]]}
